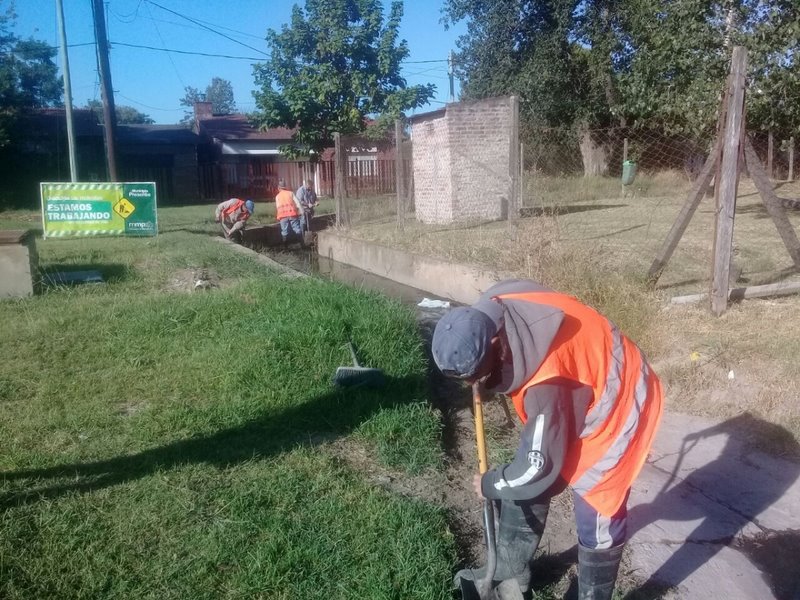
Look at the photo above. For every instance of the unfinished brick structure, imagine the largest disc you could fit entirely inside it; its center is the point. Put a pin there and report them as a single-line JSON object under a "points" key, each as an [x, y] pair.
{"points": [[463, 156]]}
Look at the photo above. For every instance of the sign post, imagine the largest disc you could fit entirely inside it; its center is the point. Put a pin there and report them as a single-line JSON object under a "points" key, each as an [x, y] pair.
{"points": [[79, 209]]}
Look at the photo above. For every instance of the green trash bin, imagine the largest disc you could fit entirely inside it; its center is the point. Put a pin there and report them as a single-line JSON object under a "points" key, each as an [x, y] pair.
{"points": [[628, 172]]}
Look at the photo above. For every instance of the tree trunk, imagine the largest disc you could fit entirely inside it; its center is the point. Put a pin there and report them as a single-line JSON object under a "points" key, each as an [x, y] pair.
{"points": [[595, 154]]}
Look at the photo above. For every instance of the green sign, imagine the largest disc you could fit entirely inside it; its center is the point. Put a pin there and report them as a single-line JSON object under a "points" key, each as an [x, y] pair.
{"points": [[70, 209]]}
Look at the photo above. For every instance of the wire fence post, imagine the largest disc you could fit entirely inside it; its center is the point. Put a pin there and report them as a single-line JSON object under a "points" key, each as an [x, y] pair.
{"points": [[770, 154], [514, 162], [729, 183], [399, 172], [340, 190], [791, 158]]}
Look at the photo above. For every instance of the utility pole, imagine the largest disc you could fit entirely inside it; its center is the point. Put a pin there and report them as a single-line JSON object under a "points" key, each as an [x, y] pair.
{"points": [[450, 62], [73, 162], [107, 92]]}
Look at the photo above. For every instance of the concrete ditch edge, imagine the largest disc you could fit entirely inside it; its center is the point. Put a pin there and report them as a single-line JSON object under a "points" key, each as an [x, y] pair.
{"points": [[458, 282]]}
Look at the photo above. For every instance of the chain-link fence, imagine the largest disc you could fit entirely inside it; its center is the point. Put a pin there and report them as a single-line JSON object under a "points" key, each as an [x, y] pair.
{"points": [[361, 173], [607, 195]]}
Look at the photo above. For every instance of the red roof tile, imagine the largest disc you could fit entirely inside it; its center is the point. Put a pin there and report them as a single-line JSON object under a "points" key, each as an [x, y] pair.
{"points": [[237, 127]]}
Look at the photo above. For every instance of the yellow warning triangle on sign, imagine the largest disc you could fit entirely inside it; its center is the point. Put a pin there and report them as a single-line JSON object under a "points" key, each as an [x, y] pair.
{"points": [[124, 208]]}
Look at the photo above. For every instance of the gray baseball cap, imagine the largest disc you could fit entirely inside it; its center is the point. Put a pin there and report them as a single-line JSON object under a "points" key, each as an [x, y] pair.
{"points": [[463, 337]]}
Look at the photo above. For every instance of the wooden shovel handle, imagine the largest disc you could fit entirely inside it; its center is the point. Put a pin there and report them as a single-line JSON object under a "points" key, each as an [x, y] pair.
{"points": [[480, 435]]}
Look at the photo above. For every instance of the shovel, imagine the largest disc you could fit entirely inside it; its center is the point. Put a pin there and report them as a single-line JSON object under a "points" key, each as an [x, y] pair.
{"points": [[357, 375], [482, 589], [308, 237]]}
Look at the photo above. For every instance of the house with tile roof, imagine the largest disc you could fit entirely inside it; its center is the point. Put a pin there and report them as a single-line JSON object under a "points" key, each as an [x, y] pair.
{"points": [[243, 161]]}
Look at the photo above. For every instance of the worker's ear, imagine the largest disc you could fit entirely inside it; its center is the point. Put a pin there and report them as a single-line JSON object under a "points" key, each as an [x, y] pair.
{"points": [[488, 362]]}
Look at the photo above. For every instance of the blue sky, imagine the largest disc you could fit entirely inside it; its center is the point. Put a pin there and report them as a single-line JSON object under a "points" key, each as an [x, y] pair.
{"points": [[153, 81]]}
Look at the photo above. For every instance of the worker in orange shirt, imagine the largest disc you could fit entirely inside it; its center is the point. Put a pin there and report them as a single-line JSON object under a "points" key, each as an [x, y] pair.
{"points": [[288, 210], [233, 215], [590, 404]]}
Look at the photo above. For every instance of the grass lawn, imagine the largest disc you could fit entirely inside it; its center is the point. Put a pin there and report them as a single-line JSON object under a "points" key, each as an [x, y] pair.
{"points": [[163, 443]]}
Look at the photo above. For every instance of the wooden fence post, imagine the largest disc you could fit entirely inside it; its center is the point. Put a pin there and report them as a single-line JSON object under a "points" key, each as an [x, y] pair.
{"points": [[729, 182], [399, 172], [772, 204], [685, 216], [513, 160], [340, 191], [770, 154]]}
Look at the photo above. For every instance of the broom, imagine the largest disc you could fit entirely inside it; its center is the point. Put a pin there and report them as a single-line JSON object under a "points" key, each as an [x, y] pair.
{"points": [[357, 375]]}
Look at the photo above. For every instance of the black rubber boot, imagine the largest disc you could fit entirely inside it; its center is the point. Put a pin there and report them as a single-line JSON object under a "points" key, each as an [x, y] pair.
{"points": [[518, 534], [597, 572]]}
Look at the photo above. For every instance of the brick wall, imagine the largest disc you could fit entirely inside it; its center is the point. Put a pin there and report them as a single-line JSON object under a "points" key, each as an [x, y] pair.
{"points": [[430, 151], [461, 161]]}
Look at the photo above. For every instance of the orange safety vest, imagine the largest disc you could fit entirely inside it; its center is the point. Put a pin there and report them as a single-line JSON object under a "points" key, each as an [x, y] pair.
{"points": [[622, 418], [236, 206], [285, 206]]}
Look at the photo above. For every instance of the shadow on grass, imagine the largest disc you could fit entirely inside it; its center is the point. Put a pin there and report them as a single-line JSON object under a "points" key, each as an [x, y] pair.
{"points": [[758, 211], [338, 413], [554, 211], [209, 230], [724, 498], [613, 233], [55, 275]]}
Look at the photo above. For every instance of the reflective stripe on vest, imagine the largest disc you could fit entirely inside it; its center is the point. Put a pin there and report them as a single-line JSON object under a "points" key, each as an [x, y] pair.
{"points": [[285, 207], [623, 415], [236, 206]]}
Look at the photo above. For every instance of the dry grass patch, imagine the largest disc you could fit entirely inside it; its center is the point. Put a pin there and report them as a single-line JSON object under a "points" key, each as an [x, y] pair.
{"points": [[589, 240]]}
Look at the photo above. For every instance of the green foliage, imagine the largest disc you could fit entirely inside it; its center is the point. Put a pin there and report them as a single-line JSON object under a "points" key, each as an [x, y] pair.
{"points": [[126, 115], [336, 64], [219, 92], [631, 62], [28, 75], [554, 55]]}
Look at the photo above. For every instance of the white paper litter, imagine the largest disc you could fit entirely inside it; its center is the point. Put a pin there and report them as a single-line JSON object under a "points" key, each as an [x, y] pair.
{"points": [[428, 303]]}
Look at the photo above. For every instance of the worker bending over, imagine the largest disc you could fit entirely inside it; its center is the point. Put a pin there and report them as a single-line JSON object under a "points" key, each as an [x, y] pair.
{"points": [[590, 404], [232, 215]]}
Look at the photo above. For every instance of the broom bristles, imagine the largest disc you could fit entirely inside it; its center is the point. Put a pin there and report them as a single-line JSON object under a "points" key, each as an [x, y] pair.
{"points": [[356, 376]]}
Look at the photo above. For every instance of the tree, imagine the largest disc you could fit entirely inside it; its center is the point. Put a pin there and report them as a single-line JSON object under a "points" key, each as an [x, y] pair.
{"points": [[126, 115], [28, 76], [681, 53], [583, 64], [219, 92], [557, 56], [337, 64]]}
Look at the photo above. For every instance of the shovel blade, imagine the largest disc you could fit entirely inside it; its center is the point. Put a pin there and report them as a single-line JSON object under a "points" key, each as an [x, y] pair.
{"points": [[505, 590], [469, 591]]}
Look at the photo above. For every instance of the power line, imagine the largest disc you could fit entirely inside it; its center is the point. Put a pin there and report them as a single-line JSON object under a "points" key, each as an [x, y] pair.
{"points": [[206, 27], [147, 105], [129, 18], [195, 28], [160, 37], [185, 51]]}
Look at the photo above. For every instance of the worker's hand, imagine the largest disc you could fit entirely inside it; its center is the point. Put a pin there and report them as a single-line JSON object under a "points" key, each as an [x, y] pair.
{"points": [[476, 484]]}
